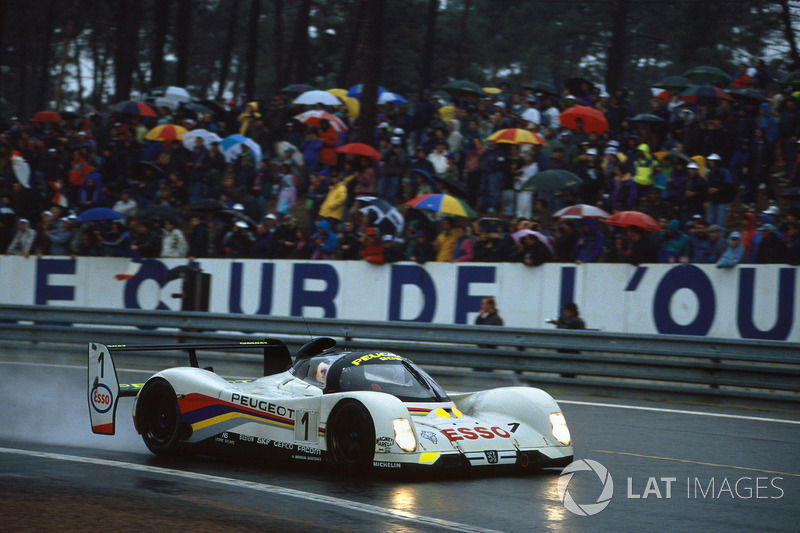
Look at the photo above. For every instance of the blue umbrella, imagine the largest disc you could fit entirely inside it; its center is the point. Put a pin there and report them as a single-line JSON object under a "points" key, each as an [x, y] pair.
{"points": [[355, 91], [391, 98], [97, 214], [231, 146]]}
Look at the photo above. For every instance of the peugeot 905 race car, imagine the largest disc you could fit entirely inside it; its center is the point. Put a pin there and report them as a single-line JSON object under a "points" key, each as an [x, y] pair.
{"points": [[352, 409]]}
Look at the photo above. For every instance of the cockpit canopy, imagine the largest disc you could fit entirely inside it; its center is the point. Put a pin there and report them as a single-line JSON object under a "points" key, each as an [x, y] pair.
{"points": [[369, 371]]}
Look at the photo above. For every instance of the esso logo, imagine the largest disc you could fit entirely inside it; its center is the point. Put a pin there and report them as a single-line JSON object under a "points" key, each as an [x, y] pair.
{"points": [[101, 398]]}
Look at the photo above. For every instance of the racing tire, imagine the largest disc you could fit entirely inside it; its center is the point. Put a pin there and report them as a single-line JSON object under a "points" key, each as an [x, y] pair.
{"points": [[158, 417], [350, 437]]}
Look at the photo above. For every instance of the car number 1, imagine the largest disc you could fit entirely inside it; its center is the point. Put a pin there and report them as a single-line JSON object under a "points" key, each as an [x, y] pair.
{"points": [[305, 426]]}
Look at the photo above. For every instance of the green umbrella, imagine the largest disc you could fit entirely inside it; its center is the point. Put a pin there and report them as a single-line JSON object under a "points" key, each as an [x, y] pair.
{"points": [[706, 75], [791, 79], [464, 86], [673, 82], [541, 87], [550, 180]]}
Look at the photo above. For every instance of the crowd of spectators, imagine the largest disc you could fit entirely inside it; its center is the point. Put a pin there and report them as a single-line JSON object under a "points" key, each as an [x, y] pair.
{"points": [[710, 175]]}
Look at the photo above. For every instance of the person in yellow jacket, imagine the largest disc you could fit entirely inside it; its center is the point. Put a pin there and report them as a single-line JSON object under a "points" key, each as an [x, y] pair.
{"points": [[644, 166], [445, 241], [332, 208], [248, 116]]}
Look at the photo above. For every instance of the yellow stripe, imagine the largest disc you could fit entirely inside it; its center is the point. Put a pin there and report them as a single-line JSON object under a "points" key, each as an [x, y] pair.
{"points": [[700, 463], [228, 416]]}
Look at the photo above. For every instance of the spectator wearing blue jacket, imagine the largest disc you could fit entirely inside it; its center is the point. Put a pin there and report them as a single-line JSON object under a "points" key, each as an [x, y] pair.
{"points": [[721, 191], [590, 242], [734, 253]]}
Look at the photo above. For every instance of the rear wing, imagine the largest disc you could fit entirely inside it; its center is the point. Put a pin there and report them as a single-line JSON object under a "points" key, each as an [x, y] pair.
{"points": [[105, 390]]}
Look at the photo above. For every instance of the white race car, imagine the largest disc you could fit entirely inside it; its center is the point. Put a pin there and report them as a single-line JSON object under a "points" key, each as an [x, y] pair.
{"points": [[353, 409]]}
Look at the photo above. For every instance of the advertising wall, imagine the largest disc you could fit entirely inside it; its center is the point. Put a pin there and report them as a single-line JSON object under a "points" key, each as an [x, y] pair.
{"points": [[747, 302]]}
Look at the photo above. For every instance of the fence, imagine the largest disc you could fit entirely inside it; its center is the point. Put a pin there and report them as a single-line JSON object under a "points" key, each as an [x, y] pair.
{"points": [[591, 362]]}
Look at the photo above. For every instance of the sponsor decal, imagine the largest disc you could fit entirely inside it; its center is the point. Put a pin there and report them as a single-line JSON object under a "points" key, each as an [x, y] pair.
{"points": [[475, 433], [380, 356], [262, 405], [384, 464], [384, 442], [101, 398], [429, 435]]}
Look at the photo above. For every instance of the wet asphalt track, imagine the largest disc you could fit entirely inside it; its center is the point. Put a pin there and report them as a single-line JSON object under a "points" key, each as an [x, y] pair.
{"points": [[725, 470]]}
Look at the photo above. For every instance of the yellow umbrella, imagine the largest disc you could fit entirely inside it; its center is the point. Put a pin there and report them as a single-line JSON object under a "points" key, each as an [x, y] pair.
{"points": [[516, 136], [166, 132], [447, 113], [353, 105], [492, 90]]}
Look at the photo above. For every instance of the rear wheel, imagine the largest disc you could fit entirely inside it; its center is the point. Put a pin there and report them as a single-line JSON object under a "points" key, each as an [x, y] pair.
{"points": [[158, 417], [350, 437]]}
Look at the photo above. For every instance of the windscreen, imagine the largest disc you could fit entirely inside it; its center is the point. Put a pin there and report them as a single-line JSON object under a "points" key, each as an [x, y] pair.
{"points": [[399, 378]]}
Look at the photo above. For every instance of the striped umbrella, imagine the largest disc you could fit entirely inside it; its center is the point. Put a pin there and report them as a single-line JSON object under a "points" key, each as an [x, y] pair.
{"points": [[516, 136], [166, 133], [314, 117], [131, 107], [580, 211], [444, 204], [231, 147], [704, 95]]}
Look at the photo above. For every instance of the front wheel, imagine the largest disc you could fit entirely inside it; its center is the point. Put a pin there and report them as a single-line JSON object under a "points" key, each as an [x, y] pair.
{"points": [[350, 437], [158, 417]]}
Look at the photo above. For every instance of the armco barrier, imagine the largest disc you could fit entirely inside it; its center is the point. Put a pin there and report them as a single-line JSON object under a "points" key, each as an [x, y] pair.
{"points": [[590, 361]]}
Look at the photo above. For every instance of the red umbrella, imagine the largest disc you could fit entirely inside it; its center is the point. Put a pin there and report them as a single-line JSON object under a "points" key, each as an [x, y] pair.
{"points": [[47, 116], [580, 211], [626, 219], [359, 149], [593, 120]]}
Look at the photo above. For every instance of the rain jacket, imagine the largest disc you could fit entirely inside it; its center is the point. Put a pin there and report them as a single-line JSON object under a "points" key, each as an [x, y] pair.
{"points": [[673, 244], [588, 248], [333, 204], [444, 244], [644, 167], [732, 256], [250, 113], [331, 239]]}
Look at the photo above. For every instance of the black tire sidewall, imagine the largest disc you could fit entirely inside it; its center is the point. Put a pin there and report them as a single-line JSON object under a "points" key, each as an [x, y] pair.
{"points": [[158, 396], [346, 416]]}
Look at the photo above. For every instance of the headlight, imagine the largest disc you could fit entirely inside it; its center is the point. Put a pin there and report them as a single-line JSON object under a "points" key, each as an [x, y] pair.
{"points": [[404, 435], [560, 429]]}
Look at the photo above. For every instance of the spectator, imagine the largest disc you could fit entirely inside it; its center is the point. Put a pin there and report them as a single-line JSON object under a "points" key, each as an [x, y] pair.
{"points": [[566, 241], [332, 208], [117, 241], [734, 252], [463, 247], [238, 241], [701, 245], [372, 248], [421, 250], [793, 243], [490, 166], [59, 237], [173, 243], [590, 243], [721, 191], [673, 244], [717, 242], [532, 251], [395, 161], [569, 318], [325, 241], [23, 239], [445, 241], [265, 241], [772, 248], [349, 247], [126, 205], [696, 192], [287, 197], [198, 237]]}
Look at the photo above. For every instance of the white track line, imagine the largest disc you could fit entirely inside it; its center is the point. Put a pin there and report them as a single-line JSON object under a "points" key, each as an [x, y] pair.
{"points": [[681, 411], [347, 505]]}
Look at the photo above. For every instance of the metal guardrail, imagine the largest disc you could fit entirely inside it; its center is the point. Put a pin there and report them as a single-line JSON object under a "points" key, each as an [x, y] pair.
{"points": [[587, 361]]}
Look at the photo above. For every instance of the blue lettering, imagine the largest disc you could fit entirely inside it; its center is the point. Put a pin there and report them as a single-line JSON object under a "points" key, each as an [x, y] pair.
{"points": [[684, 277], [464, 302], [744, 317], [567, 286], [151, 270], [411, 275], [48, 293], [265, 300], [304, 298]]}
